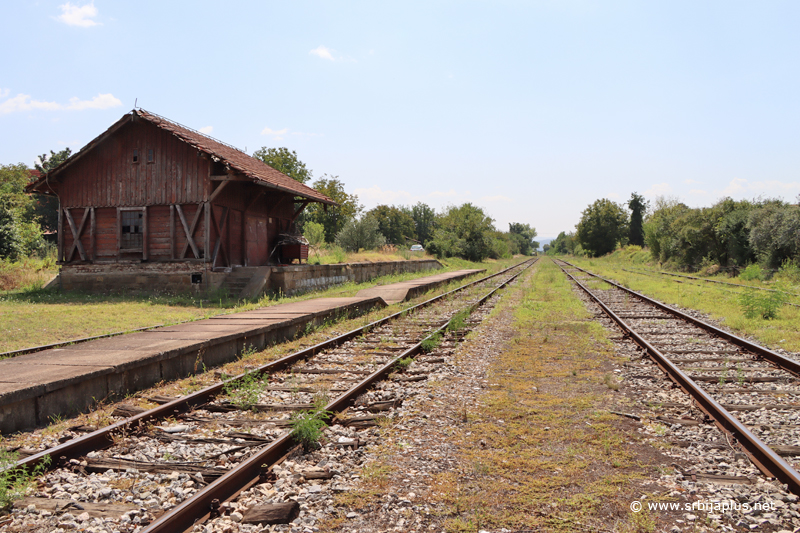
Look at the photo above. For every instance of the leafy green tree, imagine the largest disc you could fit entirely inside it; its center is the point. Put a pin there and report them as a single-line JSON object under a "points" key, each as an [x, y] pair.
{"points": [[21, 232], [314, 233], [602, 226], [358, 234], [333, 219], [424, 221], [283, 160], [464, 231], [395, 224], [660, 228], [775, 232], [47, 206], [522, 235], [563, 244], [638, 206]]}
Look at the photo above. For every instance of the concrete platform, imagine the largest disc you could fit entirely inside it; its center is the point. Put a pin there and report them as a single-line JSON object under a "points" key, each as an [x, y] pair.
{"points": [[35, 388]]}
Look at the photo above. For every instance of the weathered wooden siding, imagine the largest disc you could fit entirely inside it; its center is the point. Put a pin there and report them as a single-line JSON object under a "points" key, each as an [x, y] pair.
{"points": [[109, 177]]}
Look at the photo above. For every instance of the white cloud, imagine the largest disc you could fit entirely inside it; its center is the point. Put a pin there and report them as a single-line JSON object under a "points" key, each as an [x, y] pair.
{"points": [[207, 130], [277, 135], [82, 16], [24, 102], [742, 187], [612, 195], [692, 182], [4, 92], [658, 189], [323, 52]]}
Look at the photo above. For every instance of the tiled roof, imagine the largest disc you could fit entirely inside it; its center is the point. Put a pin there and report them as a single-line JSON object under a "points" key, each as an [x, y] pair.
{"points": [[236, 159]]}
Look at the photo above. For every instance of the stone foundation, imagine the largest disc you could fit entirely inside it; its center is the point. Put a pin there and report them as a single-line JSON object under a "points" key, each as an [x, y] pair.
{"points": [[182, 277]]}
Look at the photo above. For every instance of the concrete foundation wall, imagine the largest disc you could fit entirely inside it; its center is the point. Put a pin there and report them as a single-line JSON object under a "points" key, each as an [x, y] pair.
{"points": [[178, 277], [304, 278]]}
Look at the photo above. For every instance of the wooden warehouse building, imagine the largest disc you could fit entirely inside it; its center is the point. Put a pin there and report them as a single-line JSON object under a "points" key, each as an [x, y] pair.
{"points": [[151, 204]]}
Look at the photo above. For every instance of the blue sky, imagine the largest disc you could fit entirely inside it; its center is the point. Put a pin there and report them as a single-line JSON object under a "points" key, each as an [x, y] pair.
{"points": [[531, 110]]}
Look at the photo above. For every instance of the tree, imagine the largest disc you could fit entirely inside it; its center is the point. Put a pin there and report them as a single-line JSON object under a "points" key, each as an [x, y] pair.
{"points": [[522, 236], [775, 232], [424, 222], [394, 224], [563, 244], [47, 206], [464, 231], [358, 234], [282, 160], [638, 206], [603, 224], [20, 224], [333, 218]]}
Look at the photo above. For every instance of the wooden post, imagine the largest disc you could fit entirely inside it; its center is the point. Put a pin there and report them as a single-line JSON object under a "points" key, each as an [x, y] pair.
{"points": [[145, 233], [119, 234], [207, 233], [171, 231], [60, 235], [93, 234]]}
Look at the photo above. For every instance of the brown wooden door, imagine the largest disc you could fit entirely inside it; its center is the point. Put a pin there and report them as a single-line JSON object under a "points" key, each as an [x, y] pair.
{"points": [[256, 240]]}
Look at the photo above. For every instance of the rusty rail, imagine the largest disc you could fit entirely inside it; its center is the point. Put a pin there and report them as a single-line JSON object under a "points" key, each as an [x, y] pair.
{"points": [[103, 437], [244, 475], [770, 463]]}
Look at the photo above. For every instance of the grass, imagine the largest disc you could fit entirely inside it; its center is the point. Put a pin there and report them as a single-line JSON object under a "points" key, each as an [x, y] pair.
{"points": [[579, 473], [539, 450], [722, 303], [33, 317], [15, 482], [308, 425]]}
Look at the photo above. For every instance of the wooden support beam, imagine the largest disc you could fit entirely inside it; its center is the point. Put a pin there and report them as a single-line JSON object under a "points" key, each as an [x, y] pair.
{"points": [[218, 243], [189, 231], [226, 177], [145, 233], [207, 233], [218, 190], [119, 233], [171, 231], [60, 235], [300, 209], [93, 234], [76, 234]]}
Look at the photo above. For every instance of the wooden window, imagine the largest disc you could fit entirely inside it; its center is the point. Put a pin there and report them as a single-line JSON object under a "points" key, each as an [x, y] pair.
{"points": [[136, 156], [150, 157], [131, 230]]}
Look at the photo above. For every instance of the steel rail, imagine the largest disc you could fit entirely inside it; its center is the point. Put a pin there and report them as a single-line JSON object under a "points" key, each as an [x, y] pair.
{"points": [[785, 363], [770, 463], [104, 437], [199, 506]]}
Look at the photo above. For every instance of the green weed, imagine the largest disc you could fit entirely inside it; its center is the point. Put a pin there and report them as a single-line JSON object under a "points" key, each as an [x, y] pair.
{"points": [[308, 425], [432, 342], [763, 304], [245, 391], [15, 482]]}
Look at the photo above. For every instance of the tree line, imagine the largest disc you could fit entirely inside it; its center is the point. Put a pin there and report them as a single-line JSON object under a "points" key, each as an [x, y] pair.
{"points": [[464, 231], [730, 233]]}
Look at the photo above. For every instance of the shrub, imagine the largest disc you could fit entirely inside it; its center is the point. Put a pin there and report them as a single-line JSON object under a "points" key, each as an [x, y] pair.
{"points": [[314, 233], [764, 304], [358, 234], [789, 271], [752, 272], [245, 392]]}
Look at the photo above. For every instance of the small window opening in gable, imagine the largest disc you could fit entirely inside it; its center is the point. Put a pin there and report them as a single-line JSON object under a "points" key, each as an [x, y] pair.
{"points": [[131, 222], [150, 157], [136, 156]]}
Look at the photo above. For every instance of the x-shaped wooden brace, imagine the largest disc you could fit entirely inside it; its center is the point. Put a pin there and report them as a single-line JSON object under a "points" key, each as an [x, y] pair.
{"points": [[189, 231], [76, 234], [217, 244]]}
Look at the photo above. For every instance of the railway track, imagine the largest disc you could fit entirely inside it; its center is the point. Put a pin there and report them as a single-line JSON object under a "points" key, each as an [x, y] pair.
{"points": [[179, 463], [722, 373]]}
